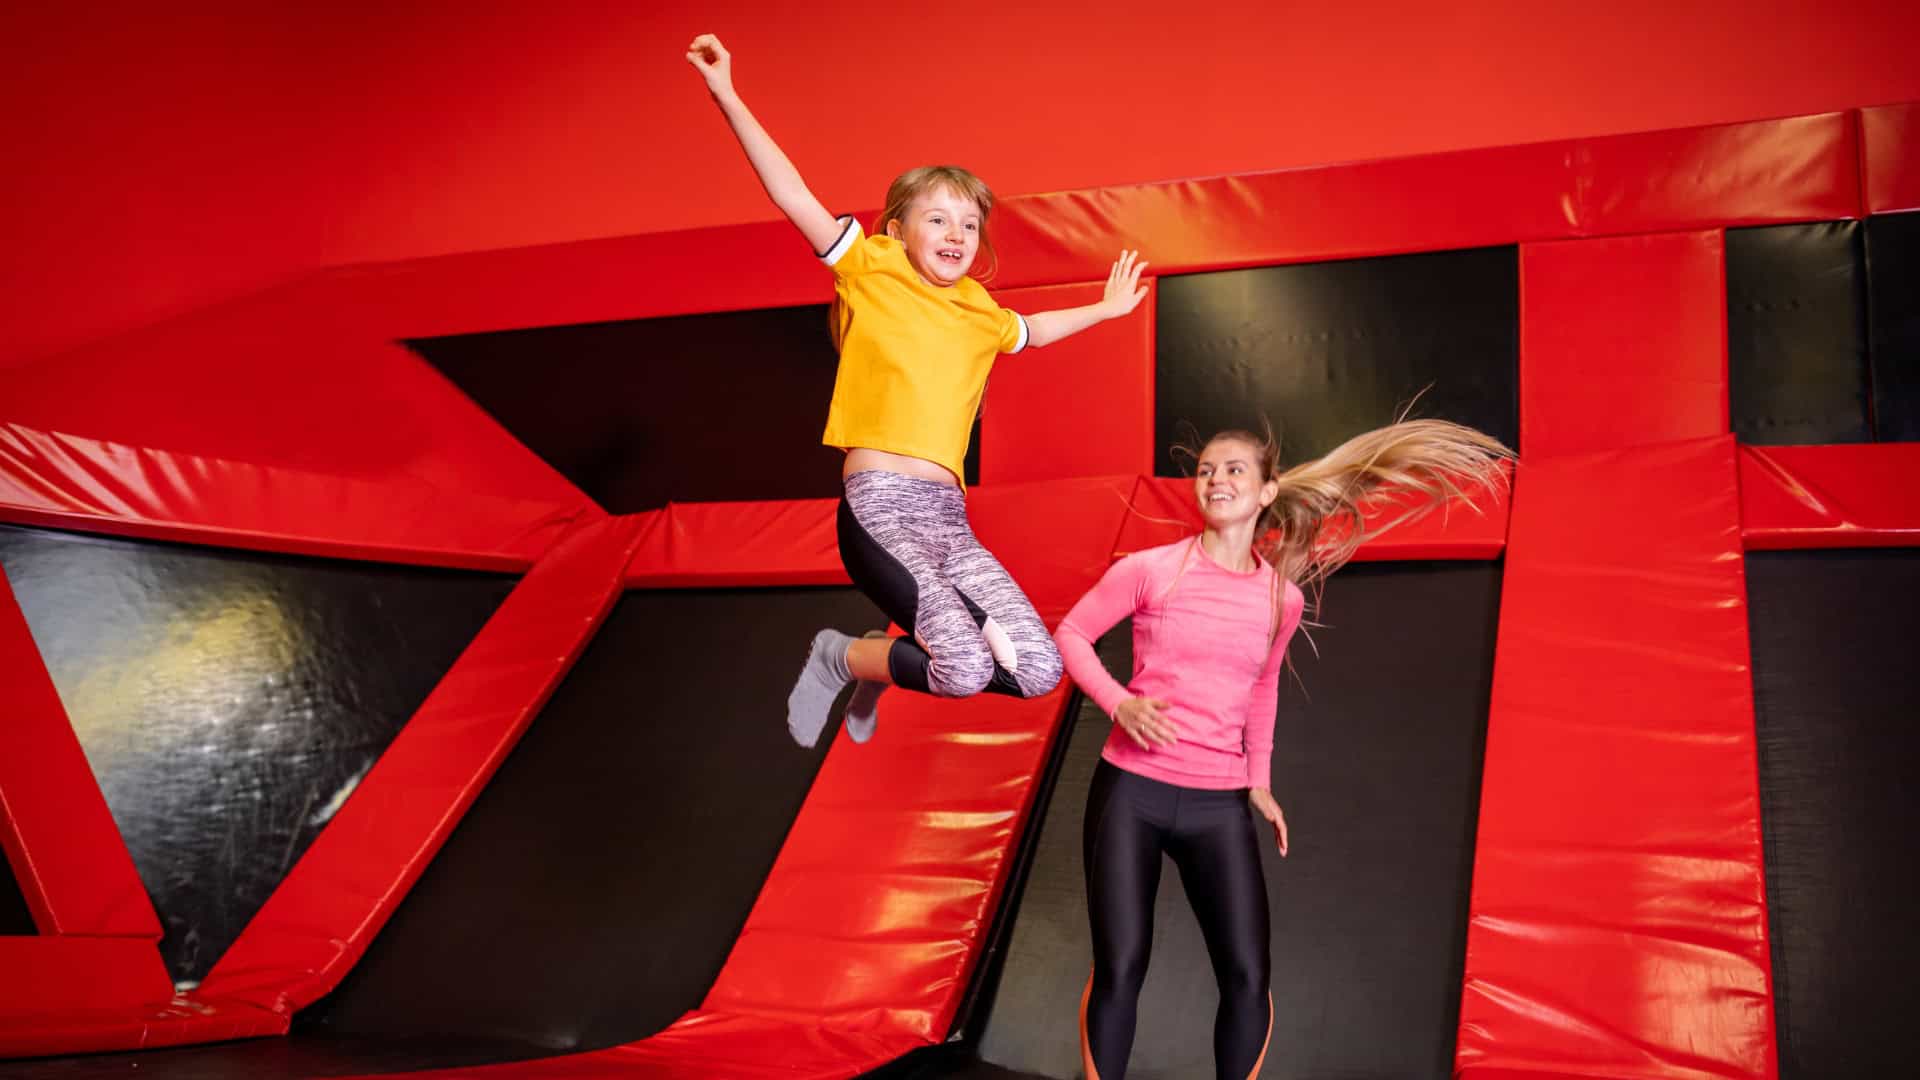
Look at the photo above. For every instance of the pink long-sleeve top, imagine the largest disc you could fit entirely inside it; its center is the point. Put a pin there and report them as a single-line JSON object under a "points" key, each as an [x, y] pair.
{"points": [[1208, 640]]}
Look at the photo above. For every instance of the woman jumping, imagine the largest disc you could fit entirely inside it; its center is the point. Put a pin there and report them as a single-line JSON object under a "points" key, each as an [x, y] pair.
{"points": [[1189, 760]]}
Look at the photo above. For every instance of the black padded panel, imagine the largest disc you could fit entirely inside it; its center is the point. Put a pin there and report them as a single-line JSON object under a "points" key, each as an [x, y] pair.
{"points": [[1893, 324], [1326, 351], [229, 701], [1796, 334], [15, 916], [1380, 777], [593, 891], [688, 408], [1836, 695]]}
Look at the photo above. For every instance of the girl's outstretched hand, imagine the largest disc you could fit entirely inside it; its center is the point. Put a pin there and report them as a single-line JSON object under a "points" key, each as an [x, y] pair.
{"points": [[1124, 291], [1144, 722], [1262, 802], [714, 63]]}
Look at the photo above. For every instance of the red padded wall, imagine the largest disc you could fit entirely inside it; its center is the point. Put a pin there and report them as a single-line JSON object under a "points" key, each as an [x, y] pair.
{"points": [[1079, 407], [177, 155], [1618, 922], [1634, 333]]}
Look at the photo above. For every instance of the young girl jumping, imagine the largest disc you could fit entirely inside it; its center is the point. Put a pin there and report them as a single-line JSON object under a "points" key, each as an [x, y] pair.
{"points": [[1190, 753], [917, 337]]}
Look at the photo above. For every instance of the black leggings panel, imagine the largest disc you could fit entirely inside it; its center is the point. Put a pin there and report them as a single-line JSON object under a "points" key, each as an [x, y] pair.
{"points": [[1210, 836]]}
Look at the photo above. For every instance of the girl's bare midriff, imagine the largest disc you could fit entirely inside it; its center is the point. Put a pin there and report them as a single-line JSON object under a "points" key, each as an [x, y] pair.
{"points": [[862, 459]]}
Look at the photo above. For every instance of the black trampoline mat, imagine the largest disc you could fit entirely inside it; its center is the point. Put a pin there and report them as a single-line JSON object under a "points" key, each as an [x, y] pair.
{"points": [[1836, 697], [1380, 778], [593, 891]]}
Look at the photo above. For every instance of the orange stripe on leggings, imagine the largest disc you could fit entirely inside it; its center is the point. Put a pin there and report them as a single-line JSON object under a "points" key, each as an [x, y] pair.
{"points": [[1262, 1059], [1086, 1047]]}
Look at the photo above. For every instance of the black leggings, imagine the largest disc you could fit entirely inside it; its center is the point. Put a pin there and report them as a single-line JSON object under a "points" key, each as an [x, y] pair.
{"points": [[1211, 837]]}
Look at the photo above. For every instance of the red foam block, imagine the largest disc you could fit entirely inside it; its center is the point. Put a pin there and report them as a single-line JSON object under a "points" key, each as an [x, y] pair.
{"points": [[1618, 920], [1830, 496], [1622, 341], [69, 482], [1079, 407]]}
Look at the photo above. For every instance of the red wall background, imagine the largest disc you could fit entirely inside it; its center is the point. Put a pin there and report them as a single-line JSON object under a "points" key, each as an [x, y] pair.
{"points": [[161, 160]]}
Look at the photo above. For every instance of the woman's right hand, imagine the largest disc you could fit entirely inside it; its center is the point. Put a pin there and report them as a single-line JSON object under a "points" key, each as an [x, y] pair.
{"points": [[1145, 721], [714, 63]]}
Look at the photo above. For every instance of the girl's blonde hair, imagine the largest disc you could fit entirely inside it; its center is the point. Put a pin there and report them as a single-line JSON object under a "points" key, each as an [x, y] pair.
{"points": [[1317, 522], [914, 183]]}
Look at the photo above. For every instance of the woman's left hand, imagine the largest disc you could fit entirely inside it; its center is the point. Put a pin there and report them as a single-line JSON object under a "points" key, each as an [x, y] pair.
{"points": [[1262, 802]]}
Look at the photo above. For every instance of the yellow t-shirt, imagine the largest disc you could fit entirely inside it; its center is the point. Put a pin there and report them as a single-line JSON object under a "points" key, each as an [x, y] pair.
{"points": [[914, 357]]}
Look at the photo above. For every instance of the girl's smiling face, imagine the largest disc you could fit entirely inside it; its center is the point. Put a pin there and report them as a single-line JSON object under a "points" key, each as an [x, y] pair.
{"points": [[1228, 484], [940, 233]]}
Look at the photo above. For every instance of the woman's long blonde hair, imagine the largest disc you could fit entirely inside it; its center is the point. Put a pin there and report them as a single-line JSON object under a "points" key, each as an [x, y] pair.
{"points": [[1318, 520]]}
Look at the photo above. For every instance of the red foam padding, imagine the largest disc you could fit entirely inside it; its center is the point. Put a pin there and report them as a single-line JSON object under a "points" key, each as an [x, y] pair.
{"points": [[1162, 510], [1830, 496], [59, 836], [70, 482], [1079, 407], [881, 934], [322, 917], [1804, 168], [1890, 147], [53, 976], [1618, 922], [1054, 537], [1623, 341], [1481, 1073], [306, 377], [738, 543], [163, 1022]]}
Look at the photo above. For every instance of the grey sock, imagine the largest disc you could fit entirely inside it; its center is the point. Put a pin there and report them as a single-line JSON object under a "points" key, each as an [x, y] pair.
{"points": [[863, 710], [821, 680]]}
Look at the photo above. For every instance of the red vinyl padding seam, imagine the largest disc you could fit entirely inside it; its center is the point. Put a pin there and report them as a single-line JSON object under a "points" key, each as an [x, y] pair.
{"points": [[1858, 495], [322, 917], [63, 481], [1618, 922], [59, 835]]}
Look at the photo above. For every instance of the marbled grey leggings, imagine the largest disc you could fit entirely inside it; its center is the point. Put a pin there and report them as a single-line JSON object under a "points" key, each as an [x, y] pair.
{"points": [[907, 545]]}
